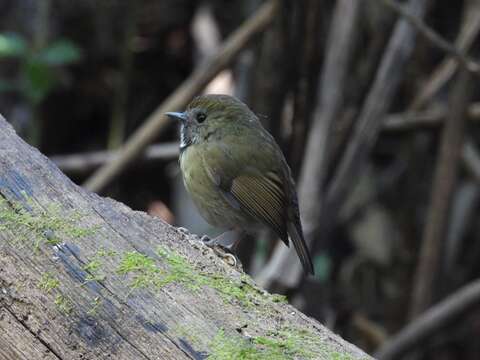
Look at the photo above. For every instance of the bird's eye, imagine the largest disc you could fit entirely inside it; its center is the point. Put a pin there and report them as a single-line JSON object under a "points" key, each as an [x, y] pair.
{"points": [[201, 117]]}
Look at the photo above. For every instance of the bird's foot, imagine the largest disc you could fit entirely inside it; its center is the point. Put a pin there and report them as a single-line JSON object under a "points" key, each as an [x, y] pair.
{"points": [[222, 246], [224, 241], [184, 231]]}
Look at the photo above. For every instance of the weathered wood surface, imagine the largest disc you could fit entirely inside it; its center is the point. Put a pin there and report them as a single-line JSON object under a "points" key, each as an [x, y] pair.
{"points": [[85, 277]]}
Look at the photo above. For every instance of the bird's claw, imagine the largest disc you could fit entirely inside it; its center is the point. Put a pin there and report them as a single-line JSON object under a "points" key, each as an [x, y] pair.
{"points": [[232, 260], [224, 252], [207, 241], [183, 231], [227, 256]]}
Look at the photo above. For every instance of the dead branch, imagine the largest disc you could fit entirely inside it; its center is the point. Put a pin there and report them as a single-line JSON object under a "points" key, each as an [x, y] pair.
{"points": [[431, 117], [442, 189], [454, 307], [434, 38], [79, 164], [471, 157], [369, 123], [444, 72]]}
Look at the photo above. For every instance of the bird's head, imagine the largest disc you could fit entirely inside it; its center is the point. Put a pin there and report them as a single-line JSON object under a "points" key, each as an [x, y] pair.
{"points": [[212, 116]]}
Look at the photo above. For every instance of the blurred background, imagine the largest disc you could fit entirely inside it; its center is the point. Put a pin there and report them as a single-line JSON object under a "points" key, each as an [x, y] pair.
{"points": [[374, 105]]}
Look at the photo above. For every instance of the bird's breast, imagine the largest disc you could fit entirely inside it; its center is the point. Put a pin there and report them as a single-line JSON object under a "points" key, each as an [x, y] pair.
{"points": [[205, 193]]}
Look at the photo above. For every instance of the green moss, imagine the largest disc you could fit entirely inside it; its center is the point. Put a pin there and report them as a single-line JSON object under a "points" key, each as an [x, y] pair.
{"points": [[240, 290], [39, 226], [191, 334], [96, 302], [287, 344], [95, 265], [102, 253], [291, 342], [48, 282], [142, 268], [63, 304], [33, 225], [145, 273], [93, 268], [339, 356], [234, 347], [133, 261]]}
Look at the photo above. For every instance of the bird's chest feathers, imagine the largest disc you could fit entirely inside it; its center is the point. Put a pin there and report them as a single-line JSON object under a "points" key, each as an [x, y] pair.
{"points": [[200, 164], [202, 168]]}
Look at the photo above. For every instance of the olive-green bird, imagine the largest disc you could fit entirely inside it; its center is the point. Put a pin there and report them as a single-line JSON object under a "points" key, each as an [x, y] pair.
{"points": [[236, 173]]}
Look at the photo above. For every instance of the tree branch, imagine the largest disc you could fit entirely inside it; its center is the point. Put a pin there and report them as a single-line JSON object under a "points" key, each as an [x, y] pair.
{"points": [[432, 117], [79, 164], [444, 71], [370, 120], [433, 37], [431, 322], [442, 189]]}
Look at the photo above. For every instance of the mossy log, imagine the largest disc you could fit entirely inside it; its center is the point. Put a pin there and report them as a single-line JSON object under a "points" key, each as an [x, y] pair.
{"points": [[85, 277]]}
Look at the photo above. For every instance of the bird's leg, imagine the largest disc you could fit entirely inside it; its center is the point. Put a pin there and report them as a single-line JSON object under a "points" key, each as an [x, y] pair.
{"points": [[183, 230], [228, 240]]}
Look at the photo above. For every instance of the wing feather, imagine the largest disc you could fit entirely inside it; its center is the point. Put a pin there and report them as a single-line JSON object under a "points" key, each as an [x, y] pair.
{"points": [[262, 199]]}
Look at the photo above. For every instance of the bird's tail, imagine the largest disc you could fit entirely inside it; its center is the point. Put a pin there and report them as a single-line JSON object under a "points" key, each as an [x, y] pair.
{"points": [[296, 235]]}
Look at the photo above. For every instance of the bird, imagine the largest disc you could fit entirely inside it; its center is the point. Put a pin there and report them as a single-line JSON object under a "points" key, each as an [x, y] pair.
{"points": [[235, 172]]}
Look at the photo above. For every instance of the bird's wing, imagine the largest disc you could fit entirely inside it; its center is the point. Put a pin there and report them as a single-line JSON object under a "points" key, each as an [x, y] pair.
{"points": [[249, 185], [262, 197]]}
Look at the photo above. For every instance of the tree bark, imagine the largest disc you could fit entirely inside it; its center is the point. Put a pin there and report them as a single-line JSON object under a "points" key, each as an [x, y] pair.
{"points": [[86, 277]]}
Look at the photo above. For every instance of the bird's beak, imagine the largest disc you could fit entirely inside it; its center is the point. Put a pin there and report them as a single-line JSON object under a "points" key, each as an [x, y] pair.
{"points": [[177, 116]]}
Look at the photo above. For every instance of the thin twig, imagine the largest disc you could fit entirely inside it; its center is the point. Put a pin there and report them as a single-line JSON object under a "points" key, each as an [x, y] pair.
{"points": [[433, 37], [464, 211], [471, 157], [442, 189], [369, 123], [79, 164], [432, 117], [157, 121], [370, 330], [444, 71], [432, 321]]}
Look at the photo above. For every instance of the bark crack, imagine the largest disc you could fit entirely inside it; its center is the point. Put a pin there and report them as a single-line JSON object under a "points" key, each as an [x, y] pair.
{"points": [[25, 326]]}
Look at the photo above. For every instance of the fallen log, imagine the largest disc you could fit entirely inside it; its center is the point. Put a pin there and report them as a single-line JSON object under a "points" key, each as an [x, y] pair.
{"points": [[85, 277]]}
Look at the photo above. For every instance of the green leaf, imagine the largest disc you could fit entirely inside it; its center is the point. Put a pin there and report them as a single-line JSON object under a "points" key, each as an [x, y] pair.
{"points": [[12, 45], [62, 52], [39, 80]]}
